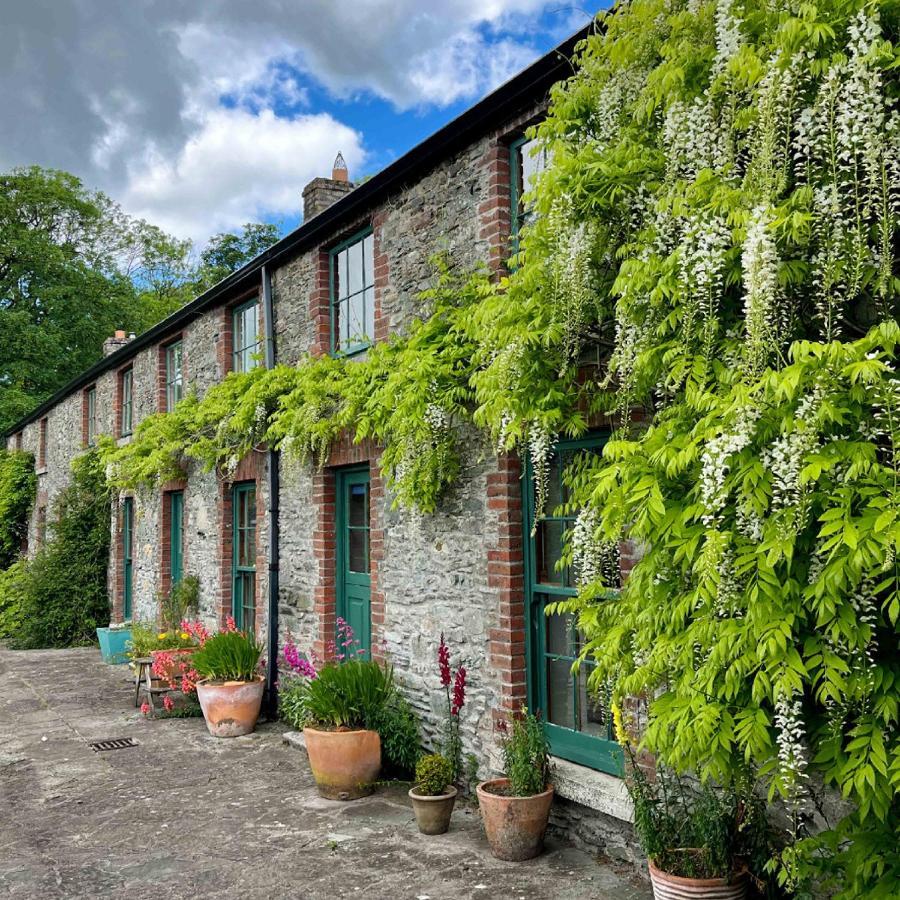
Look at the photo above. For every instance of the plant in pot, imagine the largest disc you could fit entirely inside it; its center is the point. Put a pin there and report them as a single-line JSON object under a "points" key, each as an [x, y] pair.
{"points": [[229, 686], [433, 794], [515, 809], [342, 707], [700, 840]]}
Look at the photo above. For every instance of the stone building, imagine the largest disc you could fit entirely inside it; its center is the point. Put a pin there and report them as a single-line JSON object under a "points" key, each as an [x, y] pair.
{"points": [[296, 547]]}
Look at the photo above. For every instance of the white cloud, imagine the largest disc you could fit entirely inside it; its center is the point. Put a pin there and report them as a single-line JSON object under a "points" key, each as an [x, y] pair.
{"points": [[238, 166]]}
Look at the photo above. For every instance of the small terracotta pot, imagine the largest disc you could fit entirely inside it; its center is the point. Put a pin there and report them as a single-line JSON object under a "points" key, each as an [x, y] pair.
{"points": [[433, 813], [345, 764], [675, 887], [514, 826], [231, 708]]}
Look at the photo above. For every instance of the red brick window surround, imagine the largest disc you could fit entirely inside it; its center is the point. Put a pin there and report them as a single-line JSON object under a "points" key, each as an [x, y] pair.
{"points": [[42, 443], [89, 416], [18, 440], [252, 468]]}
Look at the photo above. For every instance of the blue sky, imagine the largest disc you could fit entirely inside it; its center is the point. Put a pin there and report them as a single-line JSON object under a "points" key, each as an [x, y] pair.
{"points": [[202, 116]]}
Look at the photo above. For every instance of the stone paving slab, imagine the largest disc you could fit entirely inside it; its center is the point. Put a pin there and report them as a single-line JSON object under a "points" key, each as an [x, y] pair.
{"points": [[186, 815]]}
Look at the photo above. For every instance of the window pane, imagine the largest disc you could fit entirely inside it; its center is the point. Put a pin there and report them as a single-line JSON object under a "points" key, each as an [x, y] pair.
{"points": [[593, 710], [238, 337], [340, 276], [559, 693], [355, 328], [358, 506], [358, 540], [355, 263], [559, 635], [548, 544], [343, 323]]}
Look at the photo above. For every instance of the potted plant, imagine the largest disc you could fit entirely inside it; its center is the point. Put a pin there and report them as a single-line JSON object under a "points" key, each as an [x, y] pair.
{"points": [[433, 795], [114, 642], [229, 686], [342, 707], [700, 841], [515, 809]]}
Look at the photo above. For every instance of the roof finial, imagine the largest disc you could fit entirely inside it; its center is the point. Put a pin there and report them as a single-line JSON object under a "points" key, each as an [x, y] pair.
{"points": [[339, 169]]}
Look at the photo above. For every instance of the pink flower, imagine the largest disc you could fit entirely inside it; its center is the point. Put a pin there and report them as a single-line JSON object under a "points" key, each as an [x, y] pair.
{"points": [[444, 662], [168, 703], [145, 708], [230, 624]]}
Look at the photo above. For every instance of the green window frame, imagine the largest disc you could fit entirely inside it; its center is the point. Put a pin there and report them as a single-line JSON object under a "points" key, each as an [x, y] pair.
{"points": [[127, 556], [91, 400], [174, 374], [243, 572], [352, 293], [245, 336], [175, 499], [522, 167], [127, 413], [577, 728]]}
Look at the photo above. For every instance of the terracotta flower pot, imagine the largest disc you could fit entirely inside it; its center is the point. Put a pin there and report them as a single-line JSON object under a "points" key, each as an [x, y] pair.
{"points": [[433, 813], [345, 764], [675, 887], [514, 826], [231, 708]]}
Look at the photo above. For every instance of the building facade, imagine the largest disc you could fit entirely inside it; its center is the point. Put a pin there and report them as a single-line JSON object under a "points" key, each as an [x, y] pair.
{"points": [[313, 544]]}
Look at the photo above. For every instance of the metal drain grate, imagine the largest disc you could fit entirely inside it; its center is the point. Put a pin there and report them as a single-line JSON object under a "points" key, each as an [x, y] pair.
{"points": [[113, 744]]}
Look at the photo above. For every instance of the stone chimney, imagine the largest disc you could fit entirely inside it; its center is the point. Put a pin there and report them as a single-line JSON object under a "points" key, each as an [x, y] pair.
{"points": [[320, 193], [116, 342]]}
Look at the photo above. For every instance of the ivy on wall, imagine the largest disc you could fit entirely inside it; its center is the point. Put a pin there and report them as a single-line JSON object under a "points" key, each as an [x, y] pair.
{"points": [[18, 484], [715, 245]]}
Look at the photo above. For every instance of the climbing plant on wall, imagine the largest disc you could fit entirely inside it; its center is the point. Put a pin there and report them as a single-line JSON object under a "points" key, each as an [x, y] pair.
{"points": [[18, 484], [711, 271]]}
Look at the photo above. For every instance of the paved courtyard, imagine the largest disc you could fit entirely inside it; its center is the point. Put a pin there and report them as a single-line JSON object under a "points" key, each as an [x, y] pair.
{"points": [[186, 815]]}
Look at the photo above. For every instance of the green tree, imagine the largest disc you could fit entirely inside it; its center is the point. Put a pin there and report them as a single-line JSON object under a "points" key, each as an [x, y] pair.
{"points": [[73, 269], [227, 252]]}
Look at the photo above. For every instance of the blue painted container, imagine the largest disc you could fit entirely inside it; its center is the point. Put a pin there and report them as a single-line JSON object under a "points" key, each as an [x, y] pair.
{"points": [[113, 647]]}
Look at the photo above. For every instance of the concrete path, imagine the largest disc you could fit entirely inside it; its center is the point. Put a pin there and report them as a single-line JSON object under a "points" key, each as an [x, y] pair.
{"points": [[184, 815]]}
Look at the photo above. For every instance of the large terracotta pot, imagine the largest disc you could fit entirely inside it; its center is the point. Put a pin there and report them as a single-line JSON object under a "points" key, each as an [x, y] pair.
{"points": [[231, 708], [675, 887], [433, 813], [345, 764], [514, 826]]}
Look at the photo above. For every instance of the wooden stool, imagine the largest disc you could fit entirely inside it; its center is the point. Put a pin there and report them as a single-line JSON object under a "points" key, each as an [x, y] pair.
{"points": [[143, 680]]}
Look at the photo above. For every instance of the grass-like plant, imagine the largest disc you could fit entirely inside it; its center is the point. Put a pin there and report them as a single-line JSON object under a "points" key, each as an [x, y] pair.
{"points": [[228, 656], [526, 756], [348, 695]]}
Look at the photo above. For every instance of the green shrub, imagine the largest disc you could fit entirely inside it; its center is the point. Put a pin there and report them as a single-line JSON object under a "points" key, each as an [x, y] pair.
{"points": [[398, 728], [349, 694], [291, 702], [18, 484], [228, 656], [10, 600], [526, 756], [61, 593], [434, 773]]}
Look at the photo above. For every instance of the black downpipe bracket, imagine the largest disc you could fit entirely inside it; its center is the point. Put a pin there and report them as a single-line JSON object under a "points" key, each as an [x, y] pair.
{"points": [[273, 513]]}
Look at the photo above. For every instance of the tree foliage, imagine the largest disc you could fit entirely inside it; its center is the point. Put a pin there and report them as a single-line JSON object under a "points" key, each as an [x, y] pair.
{"points": [[73, 269], [18, 484], [59, 596], [227, 252]]}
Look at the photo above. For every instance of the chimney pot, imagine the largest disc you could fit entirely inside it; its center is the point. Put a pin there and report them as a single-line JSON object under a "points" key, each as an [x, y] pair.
{"points": [[120, 335], [320, 193], [339, 170]]}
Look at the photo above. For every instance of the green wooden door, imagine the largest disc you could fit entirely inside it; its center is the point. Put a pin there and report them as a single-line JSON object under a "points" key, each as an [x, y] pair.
{"points": [[578, 724], [354, 583], [243, 590], [176, 536], [127, 556]]}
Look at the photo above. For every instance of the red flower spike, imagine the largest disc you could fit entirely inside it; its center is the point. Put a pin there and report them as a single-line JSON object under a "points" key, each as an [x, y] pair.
{"points": [[444, 662], [459, 691]]}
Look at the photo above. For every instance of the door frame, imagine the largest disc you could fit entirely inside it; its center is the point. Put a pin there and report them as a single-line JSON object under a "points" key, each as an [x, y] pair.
{"points": [[343, 478], [566, 743]]}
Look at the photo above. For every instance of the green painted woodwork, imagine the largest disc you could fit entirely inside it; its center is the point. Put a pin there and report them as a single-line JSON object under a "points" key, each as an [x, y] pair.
{"points": [[243, 578], [127, 556], [351, 283], [174, 375], [578, 727], [245, 336], [353, 581], [127, 423]]}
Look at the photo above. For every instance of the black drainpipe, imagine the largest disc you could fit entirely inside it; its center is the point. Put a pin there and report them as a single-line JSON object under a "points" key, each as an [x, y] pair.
{"points": [[274, 497]]}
